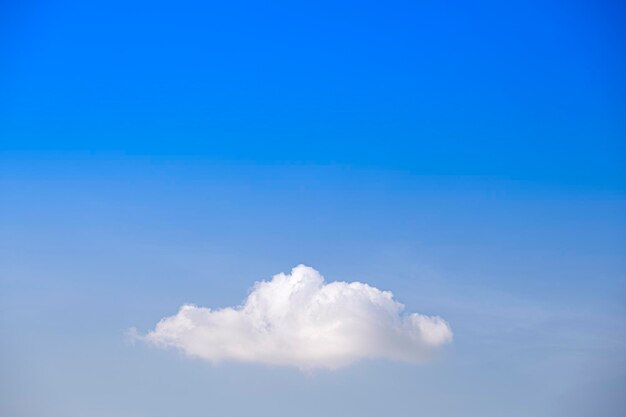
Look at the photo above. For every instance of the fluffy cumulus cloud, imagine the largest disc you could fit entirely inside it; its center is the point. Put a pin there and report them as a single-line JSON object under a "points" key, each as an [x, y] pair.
{"points": [[300, 320]]}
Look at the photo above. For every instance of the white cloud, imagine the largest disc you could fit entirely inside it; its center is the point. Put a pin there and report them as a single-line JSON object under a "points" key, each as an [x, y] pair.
{"points": [[299, 320]]}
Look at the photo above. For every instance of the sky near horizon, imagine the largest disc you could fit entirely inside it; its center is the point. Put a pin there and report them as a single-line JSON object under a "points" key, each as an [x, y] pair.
{"points": [[467, 158]]}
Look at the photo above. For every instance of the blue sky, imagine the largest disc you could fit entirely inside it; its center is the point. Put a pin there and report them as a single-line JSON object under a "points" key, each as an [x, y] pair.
{"points": [[467, 157]]}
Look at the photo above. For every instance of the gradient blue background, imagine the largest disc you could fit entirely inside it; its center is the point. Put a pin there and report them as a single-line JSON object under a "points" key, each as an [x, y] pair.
{"points": [[469, 157]]}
